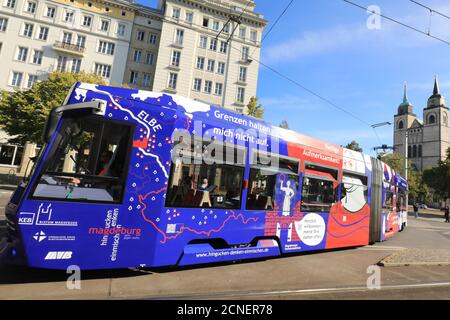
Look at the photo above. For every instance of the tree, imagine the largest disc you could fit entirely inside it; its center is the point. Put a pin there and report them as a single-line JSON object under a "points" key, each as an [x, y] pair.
{"points": [[284, 124], [254, 109], [23, 113], [354, 146], [438, 178], [418, 189], [395, 161]]}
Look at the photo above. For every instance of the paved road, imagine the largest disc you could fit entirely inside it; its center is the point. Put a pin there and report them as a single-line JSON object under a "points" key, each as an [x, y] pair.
{"points": [[340, 274]]}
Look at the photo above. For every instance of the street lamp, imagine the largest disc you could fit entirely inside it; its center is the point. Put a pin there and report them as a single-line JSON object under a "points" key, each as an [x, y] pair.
{"points": [[381, 124]]}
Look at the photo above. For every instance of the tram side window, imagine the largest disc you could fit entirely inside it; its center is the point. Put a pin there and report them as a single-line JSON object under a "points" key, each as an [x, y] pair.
{"points": [[196, 180], [401, 200], [319, 188], [88, 163], [388, 200], [354, 191], [262, 180]]}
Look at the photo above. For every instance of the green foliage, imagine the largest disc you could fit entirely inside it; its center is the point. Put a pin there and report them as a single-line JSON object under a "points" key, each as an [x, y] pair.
{"points": [[438, 178], [395, 161], [254, 109], [354, 146], [419, 191], [284, 124], [23, 113]]}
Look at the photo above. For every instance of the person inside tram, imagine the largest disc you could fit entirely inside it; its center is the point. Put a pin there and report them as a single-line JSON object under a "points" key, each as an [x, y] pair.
{"points": [[204, 186], [104, 164]]}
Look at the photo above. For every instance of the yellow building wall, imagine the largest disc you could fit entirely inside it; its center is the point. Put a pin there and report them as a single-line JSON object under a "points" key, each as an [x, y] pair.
{"points": [[99, 8]]}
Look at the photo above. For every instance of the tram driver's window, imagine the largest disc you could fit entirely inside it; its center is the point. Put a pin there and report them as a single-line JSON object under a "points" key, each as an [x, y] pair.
{"points": [[198, 181], [319, 189], [87, 163]]}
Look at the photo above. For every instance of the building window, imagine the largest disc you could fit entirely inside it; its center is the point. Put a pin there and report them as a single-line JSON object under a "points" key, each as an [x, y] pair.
{"points": [[197, 84], [208, 86], [68, 16], [28, 30], [213, 45], [11, 155], [242, 74], [140, 36], [61, 65], [67, 38], [223, 47], [31, 80], [409, 151], [176, 55], [400, 124], [43, 33], [104, 26], [420, 151], [152, 38], [16, 80], [106, 47], [31, 7], [121, 29], [103, 70], [203, 42], [137, 56], [179, 37], [3, 24], [81, 41], [173, 77], [10, 4], [134, 76], [37, 57], [51, 12], [221, 68], [200, 63], [87, 21], [414, 151], [226, 27], [432, 119], [189, 17], [176, 13], [254, 35], [1, 46], [22, 54], [205, 22], [219, 89], [76, 65], [211, 65], [150, 58], [240, 95], [242, 32], [216, 25], [245, 53], [146, 80]]}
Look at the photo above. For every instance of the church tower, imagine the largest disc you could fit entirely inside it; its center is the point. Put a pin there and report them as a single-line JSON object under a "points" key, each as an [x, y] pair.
{"points": [[403, 120], [435, 129]]}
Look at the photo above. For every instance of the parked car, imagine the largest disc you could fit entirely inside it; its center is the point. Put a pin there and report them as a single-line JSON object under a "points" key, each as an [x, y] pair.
{"points": [[423, 206]]}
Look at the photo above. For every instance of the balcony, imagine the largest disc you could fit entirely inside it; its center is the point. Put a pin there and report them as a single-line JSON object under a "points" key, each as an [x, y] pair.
{"points": [[69, 48]]}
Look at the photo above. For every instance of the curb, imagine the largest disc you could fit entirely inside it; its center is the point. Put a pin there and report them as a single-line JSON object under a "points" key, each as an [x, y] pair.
{"points": [[408, 264]]}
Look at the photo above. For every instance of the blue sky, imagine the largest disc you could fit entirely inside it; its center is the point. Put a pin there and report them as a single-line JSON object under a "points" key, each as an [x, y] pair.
{"points": [[326, 46]]}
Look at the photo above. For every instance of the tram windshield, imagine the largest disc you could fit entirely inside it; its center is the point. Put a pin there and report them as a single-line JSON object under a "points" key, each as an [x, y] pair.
{"points": [[87, 161]]}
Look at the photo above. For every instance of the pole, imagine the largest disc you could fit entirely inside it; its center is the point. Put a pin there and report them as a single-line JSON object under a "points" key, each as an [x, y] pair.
{"points": [[405, 169]]}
